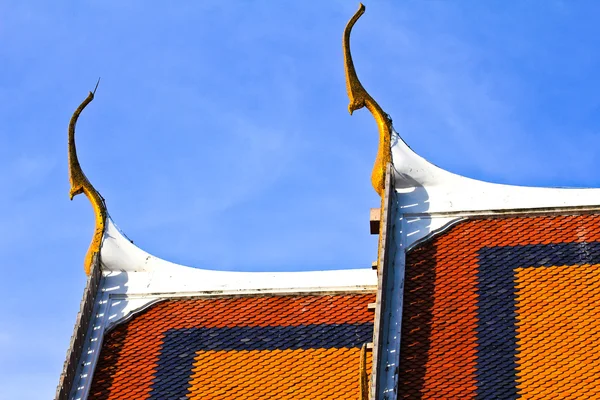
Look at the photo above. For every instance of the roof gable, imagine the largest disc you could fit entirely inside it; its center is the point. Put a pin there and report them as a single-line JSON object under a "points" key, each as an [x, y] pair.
{"points": [[274, 346]]}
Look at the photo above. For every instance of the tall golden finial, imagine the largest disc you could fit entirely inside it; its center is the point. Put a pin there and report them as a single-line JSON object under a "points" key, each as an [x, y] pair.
{"points": [[81, 184], [359, 98]]}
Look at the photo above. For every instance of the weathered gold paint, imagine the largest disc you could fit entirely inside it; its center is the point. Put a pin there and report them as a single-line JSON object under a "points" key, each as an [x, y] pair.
{"points": [[364, 379], [359, 98], [81, 184]]}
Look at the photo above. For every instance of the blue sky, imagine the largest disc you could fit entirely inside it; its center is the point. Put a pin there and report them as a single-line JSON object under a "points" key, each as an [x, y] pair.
{"points": [[220, 135]]}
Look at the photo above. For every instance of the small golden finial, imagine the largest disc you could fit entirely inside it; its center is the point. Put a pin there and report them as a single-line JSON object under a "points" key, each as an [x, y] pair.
{"points": [[363, 375], [81, 184], [359, 98]]}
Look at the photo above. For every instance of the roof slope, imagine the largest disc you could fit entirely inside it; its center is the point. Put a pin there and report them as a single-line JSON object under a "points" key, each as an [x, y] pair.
{"points": [[491, 303], [248, 347]]}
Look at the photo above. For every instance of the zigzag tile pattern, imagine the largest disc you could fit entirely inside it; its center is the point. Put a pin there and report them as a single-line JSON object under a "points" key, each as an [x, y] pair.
{"points": [[504, 308], [244, 347]]}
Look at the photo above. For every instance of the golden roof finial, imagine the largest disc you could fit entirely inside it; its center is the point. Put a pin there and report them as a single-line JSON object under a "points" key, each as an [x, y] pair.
{"points": [[359, 98], [81, 184]]}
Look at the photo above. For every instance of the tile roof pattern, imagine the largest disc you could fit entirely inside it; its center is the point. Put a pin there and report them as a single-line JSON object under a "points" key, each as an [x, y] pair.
{"points": [[504, 308], [245, 347]]}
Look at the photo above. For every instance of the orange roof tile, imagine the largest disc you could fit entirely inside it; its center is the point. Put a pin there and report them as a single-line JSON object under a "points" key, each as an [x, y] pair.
{"points": [[504, 308], [275, 346]]}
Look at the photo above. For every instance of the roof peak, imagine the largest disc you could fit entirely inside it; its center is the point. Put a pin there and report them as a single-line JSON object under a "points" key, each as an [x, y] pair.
{"points": [[360, 98], [81, 184]]}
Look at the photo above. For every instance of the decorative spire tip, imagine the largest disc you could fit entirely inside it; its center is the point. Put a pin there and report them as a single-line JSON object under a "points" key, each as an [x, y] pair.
{"points": [[360, 98], [81, 184]]}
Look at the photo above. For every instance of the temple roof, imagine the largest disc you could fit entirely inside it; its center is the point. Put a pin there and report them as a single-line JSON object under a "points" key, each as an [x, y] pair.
{"points": [[503, 307], [134, 299], [470, 278]]}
